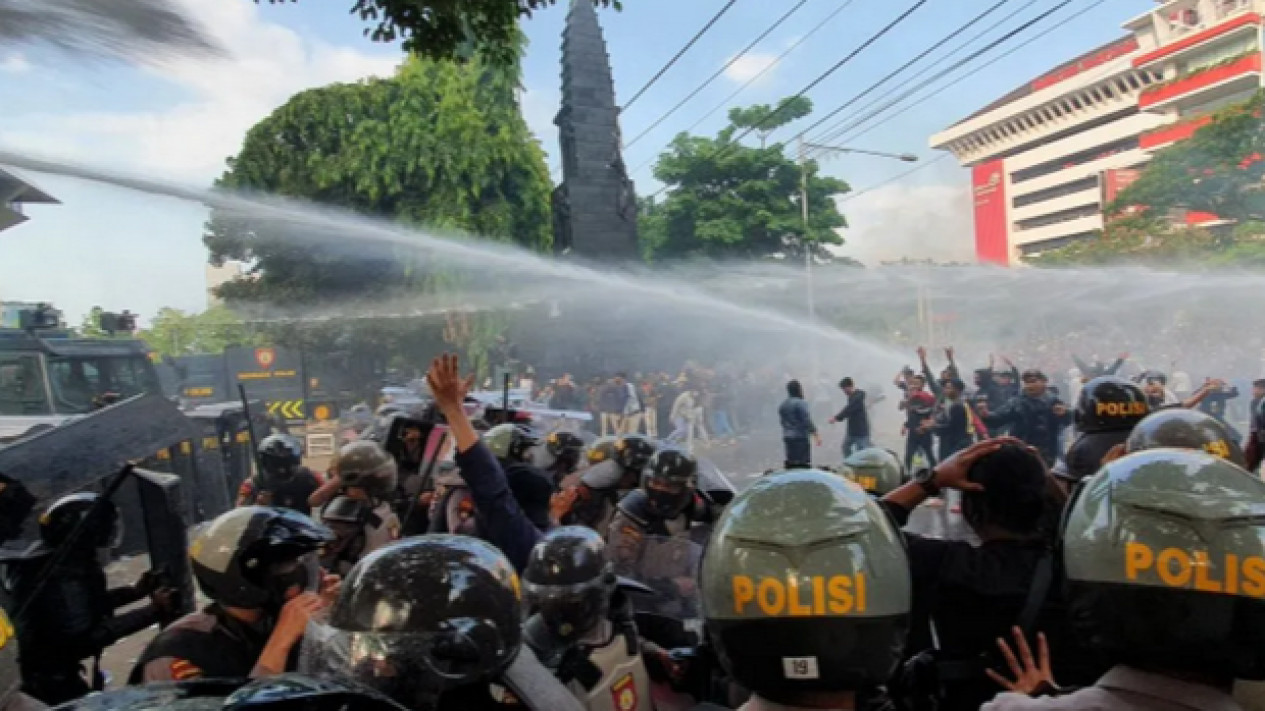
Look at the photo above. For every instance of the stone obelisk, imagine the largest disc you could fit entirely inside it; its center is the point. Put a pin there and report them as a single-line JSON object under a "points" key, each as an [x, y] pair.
{"points": [[595, 207]]}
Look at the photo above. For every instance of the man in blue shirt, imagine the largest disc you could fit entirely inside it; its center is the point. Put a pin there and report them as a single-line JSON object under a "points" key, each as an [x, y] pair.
{"points": [[797, 427]]}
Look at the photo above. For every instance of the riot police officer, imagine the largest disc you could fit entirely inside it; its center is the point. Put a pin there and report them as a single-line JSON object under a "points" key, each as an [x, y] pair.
{"points": [[68, 612], [258, 566], [875, 469], [603, 483], [15, 505], [365, 472], [1107, 409], [566, 449], [1169, 593], [666, 504], [579, 625], [282, 479], [512, 445], [435, 623], [800, 562], [1186, 429]]}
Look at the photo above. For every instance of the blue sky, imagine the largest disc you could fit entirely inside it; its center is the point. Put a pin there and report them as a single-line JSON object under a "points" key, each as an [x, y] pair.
{"points": [[180, 117]]}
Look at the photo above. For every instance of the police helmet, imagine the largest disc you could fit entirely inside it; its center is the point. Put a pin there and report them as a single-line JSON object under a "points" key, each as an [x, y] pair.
{"points": [[633, 451], [565, 446], [1186, 429], [252, 556], [568, 581], [1164, 552], [669, 481], [806, 587], [509, 442], [1110, 404], [280, 455], [602, 449], [422, 617], [387, 409], [105, 530], [876, 470], [367, 465]]}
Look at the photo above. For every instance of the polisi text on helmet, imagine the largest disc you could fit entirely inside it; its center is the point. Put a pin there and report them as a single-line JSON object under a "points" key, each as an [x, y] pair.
{"points": [[1178, 568], [795, 596]]}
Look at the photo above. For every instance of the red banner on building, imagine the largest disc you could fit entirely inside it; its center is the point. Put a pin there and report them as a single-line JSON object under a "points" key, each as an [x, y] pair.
{"points": [[1115, 181], [988, 185]]}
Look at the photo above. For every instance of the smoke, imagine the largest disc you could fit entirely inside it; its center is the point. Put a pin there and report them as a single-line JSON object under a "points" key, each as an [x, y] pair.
{"points": [[133, 30]]}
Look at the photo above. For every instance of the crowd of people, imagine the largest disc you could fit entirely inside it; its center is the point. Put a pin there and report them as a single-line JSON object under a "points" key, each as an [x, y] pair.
{"points": [[444, 561]]}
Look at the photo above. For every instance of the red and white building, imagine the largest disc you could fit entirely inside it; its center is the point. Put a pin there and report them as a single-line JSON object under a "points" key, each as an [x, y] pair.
{"points": [[1049, 155]]}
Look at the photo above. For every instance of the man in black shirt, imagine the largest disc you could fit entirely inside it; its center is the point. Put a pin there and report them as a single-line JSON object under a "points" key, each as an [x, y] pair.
{"points": [[855, 414], [1035, 416], [952, 422]]}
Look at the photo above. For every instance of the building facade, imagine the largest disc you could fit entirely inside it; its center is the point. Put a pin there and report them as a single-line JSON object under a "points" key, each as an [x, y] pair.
{"points": [[1047, 157], [16, 191]]}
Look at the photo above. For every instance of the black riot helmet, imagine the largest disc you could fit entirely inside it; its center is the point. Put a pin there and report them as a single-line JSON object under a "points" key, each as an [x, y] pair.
{"points": [[1164, 552], [252, 557], [1110, 404], [366, 465], [280, 456], [1186, 429], [568, 581], [105, 530], [669, 481], [565, 447], [16, 503], [633, 451], [423, 618]]}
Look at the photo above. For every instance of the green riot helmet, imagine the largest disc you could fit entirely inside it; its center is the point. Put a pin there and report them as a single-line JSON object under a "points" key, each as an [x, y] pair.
{"points": [[876, 470], [602, 449], [1164, 552], [633, 452], [366, 465], [805, 587], [510, 442], [669, 481], [1186, 429], [1110, 404]]}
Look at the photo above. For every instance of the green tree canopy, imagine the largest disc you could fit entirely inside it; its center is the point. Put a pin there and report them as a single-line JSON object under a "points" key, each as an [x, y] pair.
{"points": [[440, 144], [446, 28], [1218, 170], [176, 333], [727, 200], [765, 119]]}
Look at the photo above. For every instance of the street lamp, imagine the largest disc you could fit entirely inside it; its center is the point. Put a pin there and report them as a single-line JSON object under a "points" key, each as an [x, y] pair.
{"points": [[804, 147]]}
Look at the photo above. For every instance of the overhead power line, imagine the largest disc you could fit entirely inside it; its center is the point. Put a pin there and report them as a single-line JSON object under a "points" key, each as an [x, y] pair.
{"points": [[944, 40], [981, 68], [948, 70], [769, 67], [707, 82], [820, 78], [679, 54], [930, 66]]}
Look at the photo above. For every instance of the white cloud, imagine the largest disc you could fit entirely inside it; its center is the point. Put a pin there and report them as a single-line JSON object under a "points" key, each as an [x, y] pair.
{"points": [[919, 222], [266, 64], [748, 66], [14, 63]]}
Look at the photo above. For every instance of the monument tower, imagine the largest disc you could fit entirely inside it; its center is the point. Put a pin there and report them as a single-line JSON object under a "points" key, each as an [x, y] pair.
{"points": [[595, 207]]}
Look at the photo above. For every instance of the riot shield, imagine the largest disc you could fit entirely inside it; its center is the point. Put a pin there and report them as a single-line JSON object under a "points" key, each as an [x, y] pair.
{"points": [[77, 454], [166, 530]]}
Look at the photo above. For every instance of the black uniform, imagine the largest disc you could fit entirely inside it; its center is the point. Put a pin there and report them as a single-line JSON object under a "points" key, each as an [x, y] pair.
{"points": [[1032, 420], [291, 493], [72, 619], [209, 644], [952, 427]]}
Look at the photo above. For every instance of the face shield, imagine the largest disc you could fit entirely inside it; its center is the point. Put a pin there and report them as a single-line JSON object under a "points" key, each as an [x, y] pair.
{"points": [[666, 499], [570, 611]]}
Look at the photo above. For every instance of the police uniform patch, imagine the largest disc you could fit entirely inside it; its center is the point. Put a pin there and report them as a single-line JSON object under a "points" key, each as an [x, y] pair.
{"points": [[624, 693], [183, 669], [800, 668]]}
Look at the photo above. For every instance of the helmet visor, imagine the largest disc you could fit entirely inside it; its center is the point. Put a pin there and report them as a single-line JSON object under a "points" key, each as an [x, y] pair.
{"points": [[569, 610]]}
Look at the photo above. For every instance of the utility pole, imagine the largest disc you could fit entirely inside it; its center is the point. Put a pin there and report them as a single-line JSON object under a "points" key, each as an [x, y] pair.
{"points": [[802, 148]]}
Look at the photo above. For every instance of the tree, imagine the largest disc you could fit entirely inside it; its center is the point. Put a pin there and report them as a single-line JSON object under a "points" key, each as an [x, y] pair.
{"points": [[443, 29], [727, 200], [176, 333], [90, 327], [765, 119], [440, 144], [1217, 170]]}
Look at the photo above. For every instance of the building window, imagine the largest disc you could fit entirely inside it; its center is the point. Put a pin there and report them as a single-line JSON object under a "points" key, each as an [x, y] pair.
{"points": [[1133, 82], [1076, 104], [1065, 162], [1106, 90], [1057, 191], [1055, 218]]}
